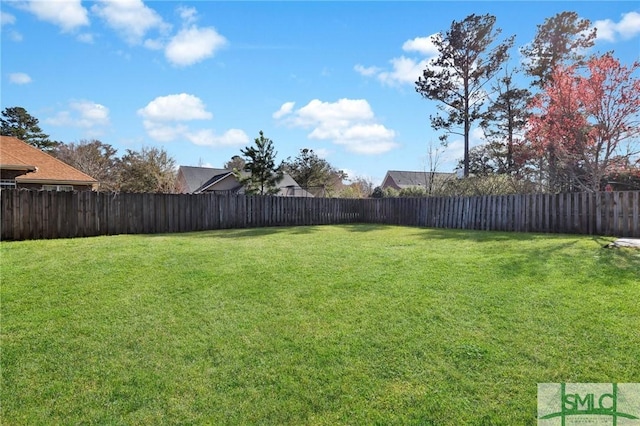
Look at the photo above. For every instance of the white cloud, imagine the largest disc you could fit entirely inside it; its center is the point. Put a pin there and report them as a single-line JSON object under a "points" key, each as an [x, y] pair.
{"points": [[131, 18], [19, 78], [477, 136], [154, 44], [91, 113], [347, 122], [192, 45], [85, 38], [169, 132], [606, 30], [180, 107], [15, 36], [366, 71], [285, 109], [88, 115], [368, 139], [322, 153], [351, 174], [423, 45], [207, 137], [454, 151], [163, 132], [6, 18], [67, 14], [343, 111], [628, 27], [189, 15], [404, 70], [164, 120]]}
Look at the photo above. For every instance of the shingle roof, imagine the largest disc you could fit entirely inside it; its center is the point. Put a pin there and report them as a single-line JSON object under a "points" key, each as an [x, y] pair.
{"points": [[406, 179], [195, 177], [214, 179], [15, 153], [11, 162], [288, 186], [199, 179]]}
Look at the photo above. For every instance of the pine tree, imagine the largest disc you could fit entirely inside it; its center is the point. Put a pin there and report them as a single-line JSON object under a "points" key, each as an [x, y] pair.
{"points": [[17, 122], [261, 175], [466, 63], [560, 40]]}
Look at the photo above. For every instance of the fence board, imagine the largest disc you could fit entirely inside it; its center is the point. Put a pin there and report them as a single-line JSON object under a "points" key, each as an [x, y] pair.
{"points": [[44, 214], [635, 216]]}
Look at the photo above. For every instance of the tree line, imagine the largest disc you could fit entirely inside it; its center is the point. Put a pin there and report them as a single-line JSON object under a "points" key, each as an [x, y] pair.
{"points": [[152, 169], [258, 172], [575, 127]]}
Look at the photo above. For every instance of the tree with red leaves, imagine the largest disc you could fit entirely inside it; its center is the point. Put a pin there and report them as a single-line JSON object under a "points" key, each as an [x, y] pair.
{"points": [[584, 126]]}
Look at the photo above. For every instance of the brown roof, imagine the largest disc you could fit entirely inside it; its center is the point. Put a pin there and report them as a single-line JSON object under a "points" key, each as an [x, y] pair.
{"points": [[17, 155]]}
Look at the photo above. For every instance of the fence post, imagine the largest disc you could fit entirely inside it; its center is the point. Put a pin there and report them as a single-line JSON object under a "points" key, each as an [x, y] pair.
{"points": [[45, 214]]}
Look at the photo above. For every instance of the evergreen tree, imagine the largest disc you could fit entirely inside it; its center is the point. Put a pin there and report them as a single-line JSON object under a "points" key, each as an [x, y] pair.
{"points": [[504, 122], [261, 175], [560, 40], [457, 77], [17, 122], [312, 172]]}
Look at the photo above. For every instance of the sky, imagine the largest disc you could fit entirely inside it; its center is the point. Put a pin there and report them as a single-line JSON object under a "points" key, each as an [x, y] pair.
{"points": [[201, 79]]}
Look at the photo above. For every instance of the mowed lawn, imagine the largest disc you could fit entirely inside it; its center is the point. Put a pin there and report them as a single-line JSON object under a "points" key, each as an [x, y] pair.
{"points": [[328, 325]]}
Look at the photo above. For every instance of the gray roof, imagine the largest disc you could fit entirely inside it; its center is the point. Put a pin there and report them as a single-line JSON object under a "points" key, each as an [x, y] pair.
{"points": [[407, 179], [288, 186], [198, 179], [195, 177], [215, 179]]}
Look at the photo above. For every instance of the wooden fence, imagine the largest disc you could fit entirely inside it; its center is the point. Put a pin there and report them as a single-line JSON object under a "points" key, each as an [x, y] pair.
{"points": [[45, 214]]}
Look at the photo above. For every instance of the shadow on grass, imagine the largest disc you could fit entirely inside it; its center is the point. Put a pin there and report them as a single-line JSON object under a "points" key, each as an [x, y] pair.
{"points": [[602, 241], [271, 230], [252, 232], [474, 235], [624, 259], [293, 230], [563, 249], [363, 227]]}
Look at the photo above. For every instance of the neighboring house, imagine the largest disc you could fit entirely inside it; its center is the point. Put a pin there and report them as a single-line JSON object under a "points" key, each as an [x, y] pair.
{"points": [[398, 179], [189, 179], [196, 180], [25, 166]]}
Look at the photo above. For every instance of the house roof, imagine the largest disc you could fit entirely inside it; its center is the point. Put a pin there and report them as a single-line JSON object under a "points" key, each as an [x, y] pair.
{"points": [[196, 177], [9, 161], [200, 179], [288, 186], [407, 179], [214, 180], [43, 168]]}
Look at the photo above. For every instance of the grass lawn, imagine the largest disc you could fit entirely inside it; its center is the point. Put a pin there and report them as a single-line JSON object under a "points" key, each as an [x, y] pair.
{"points": [[325, 325]]}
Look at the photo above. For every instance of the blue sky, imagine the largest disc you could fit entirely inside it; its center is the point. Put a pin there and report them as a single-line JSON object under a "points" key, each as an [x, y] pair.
{"points": [[201, 79]]}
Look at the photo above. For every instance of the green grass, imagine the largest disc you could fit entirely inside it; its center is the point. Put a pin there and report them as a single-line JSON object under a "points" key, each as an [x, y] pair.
{"points": [[312, 325]]}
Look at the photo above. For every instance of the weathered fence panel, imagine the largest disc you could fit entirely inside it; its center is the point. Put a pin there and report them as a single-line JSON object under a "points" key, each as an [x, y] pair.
{"points": [[44, 214]]}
